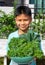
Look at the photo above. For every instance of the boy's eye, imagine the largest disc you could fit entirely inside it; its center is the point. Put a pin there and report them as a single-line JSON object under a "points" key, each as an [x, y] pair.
{"points": [[19, 20], [23, 20]]}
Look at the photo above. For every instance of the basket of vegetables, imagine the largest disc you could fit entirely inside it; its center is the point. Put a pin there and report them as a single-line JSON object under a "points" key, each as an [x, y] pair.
{"points": [[23, 49]]}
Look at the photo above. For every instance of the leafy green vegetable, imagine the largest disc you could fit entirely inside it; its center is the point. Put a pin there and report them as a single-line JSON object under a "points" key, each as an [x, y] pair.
{"points": [[26, 45]]}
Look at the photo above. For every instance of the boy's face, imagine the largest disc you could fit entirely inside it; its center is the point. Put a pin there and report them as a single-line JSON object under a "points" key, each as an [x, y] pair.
{"points": [[23, 21]]}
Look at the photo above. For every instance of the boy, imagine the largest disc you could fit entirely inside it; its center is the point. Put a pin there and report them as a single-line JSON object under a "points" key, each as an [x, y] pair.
{"points": [[23, 19]]}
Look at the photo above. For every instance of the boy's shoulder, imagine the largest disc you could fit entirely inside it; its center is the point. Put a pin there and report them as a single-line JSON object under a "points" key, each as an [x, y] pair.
{"points": [[13, 34]]}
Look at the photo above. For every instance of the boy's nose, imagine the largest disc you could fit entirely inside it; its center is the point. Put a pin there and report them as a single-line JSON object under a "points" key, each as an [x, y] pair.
{"points": [[22, 22]]}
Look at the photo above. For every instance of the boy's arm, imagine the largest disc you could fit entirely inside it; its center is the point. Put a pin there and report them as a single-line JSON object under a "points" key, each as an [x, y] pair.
{"points": [[9, 38]]}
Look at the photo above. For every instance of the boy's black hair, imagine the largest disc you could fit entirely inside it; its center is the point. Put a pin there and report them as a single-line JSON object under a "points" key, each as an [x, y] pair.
{"points": [[22, 9]]}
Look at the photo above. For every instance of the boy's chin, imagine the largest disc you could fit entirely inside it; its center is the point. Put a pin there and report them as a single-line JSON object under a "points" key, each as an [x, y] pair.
{"points": [[24, 29]]}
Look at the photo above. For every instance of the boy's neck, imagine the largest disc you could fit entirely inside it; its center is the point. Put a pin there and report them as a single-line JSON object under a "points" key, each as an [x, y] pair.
{"points": [[21, 32]]}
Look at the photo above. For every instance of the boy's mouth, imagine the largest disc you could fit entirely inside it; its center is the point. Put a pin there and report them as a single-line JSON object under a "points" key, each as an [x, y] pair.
{"points": [[23, 26]]}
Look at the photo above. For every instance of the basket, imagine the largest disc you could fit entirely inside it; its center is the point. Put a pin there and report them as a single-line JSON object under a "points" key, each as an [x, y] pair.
{"points": [[22, 59]]}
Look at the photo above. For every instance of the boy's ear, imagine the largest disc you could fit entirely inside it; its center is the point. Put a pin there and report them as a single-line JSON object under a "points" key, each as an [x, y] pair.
{"points": [[14, 18]]}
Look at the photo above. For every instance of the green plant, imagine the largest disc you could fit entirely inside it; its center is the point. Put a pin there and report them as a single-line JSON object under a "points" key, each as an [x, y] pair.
{"points": [[38, 26], [25, 46], [7, 24], [1, 61]]}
